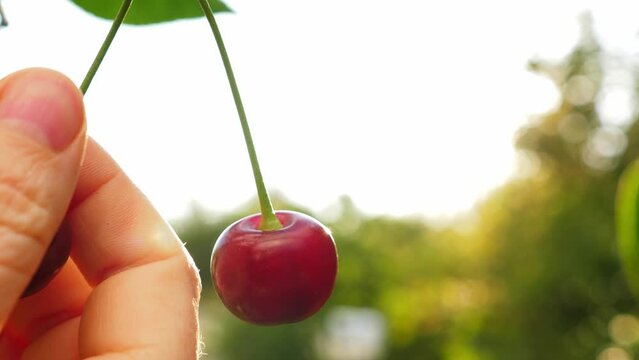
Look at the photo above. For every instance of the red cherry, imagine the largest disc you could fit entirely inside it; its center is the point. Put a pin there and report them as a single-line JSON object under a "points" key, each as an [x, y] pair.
{"points": [[53, 260], [278, 276]]}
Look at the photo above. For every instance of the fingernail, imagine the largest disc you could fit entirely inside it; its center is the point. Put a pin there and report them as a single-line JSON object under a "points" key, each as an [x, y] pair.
{"points": [[44, 105]]}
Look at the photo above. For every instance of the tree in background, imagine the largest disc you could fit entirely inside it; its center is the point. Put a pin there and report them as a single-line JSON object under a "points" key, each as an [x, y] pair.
{"points": [[552, 233]]}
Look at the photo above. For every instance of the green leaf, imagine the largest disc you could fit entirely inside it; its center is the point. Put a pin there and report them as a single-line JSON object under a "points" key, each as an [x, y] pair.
{"points": [[627, 214], [144, 12]]}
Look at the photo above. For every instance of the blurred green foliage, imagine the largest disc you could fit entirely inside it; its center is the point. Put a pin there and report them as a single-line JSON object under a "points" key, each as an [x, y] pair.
{"points": [[532, 273]]}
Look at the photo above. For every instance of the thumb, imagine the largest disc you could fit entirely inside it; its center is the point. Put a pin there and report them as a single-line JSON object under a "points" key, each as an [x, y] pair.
{"points": [[42, 139]]}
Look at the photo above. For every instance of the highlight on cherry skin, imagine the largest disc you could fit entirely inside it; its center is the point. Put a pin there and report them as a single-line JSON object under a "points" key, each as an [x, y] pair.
{"points": [[53, 260], [270, 277]]}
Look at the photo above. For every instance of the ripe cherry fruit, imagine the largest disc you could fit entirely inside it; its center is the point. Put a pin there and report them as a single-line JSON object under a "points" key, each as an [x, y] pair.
{"points": [[270, 268], [277, 276]]}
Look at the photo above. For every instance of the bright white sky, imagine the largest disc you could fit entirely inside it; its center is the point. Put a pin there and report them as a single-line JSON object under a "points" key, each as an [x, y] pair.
{"points": [[409, 107]]}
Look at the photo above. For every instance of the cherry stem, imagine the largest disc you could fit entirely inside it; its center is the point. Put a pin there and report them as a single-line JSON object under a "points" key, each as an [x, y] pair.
{"points": [[269, 220], [124, 8]]}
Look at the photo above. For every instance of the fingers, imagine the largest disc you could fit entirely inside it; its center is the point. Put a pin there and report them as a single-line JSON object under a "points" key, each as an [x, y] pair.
{"points": [[146, 293], [60, 301], [113, 225], [42, 138], [59, 343]]}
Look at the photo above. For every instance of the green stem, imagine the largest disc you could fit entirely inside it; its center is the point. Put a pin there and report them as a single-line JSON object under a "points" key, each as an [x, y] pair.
{"points": [[269, 220], [124, 8]]}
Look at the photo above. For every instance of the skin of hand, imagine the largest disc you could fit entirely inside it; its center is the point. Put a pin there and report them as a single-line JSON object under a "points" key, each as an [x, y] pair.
{"points": [[130, 290]]}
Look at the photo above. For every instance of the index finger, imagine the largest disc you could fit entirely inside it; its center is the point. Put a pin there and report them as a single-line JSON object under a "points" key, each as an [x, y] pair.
{"points": [[147, 288]]}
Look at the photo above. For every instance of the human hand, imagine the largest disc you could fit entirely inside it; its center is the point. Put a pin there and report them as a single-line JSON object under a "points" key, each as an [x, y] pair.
{"points": [[130, 290]]}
